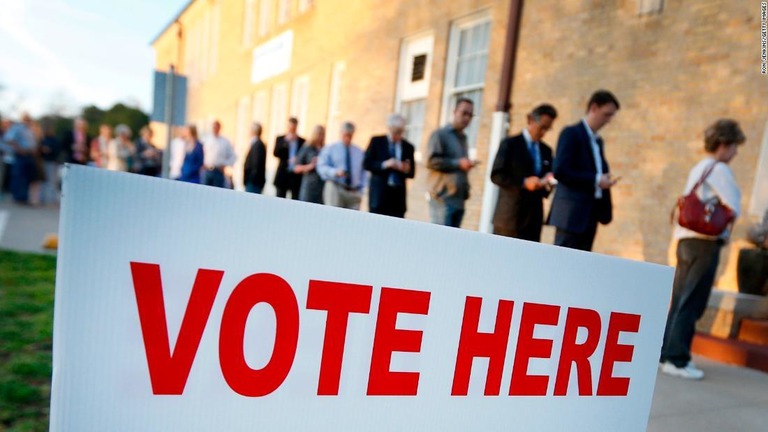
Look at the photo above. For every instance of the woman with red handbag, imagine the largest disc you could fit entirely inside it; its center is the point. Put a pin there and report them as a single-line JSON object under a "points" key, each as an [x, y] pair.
{"points": [[710, 204]]}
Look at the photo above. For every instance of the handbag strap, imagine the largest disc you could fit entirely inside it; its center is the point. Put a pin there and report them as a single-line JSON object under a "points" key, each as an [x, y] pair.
{"points": [[703, 178]]}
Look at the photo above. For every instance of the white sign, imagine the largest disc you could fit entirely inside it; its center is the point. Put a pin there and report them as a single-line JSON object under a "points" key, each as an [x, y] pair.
{"points": [[272, 57], [185, 307]]}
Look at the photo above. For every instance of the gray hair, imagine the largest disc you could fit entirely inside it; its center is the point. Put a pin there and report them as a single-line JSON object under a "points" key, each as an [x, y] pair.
{"points": [[123, 129], [395, 121], [256, 126], [348, 127]]}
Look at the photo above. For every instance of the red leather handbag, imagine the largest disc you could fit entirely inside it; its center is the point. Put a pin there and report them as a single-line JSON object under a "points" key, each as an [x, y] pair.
{"points": [[709, 217]]}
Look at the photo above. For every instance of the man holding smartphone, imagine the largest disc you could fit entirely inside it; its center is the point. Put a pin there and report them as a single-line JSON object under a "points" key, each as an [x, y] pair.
{"points": [[583, 195], [449, 164], [523, 171]]}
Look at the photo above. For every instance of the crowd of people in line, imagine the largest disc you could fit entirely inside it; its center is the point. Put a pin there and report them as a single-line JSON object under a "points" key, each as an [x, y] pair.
{"points": [[32, 155], [525, 169]]}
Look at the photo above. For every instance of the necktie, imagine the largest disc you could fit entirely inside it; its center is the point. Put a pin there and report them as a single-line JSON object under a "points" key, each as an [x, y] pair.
{"points": [[394, 178], [536, 158], [348, 168]]}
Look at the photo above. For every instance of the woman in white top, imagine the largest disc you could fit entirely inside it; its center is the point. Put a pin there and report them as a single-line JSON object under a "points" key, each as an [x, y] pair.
{"points": [[122, 152], [698, 254]]}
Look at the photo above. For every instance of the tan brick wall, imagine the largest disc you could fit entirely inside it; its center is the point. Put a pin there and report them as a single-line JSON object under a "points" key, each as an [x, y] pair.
{"points": [[674, 73]]}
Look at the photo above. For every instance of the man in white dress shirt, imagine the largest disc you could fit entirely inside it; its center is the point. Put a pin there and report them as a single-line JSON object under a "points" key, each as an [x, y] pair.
{"points": [[218, 155]]}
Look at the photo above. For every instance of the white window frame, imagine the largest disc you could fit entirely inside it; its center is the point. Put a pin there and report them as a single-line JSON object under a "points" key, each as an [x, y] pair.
{"points": [[334, 101], [284, 11], [249, 16], [260, 109], [305, 5], [450, 71], [265, 17], [215, 37], [242, 139], [759, 201], [423, 43], [300, 102], [190, 55], [205, 44], [278, 110]]}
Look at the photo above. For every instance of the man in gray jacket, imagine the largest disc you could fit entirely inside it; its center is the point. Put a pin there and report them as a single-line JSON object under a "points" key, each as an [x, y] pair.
{"points": [[448, 166]]}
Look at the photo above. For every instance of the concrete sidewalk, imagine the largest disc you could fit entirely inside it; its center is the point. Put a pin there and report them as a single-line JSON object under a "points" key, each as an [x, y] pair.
{"points": [[728, 399], [23, 228]]}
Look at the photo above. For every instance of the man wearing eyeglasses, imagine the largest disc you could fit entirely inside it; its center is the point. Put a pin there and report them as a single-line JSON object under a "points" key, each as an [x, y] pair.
{"points": [[449, 164]]}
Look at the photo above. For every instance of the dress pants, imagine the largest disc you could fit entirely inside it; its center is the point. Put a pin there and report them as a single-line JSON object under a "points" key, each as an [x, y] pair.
{"points": [[697, 261]]}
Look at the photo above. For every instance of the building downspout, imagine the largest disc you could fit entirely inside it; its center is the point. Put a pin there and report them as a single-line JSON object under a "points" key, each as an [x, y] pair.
{"points": [[500, 121]]}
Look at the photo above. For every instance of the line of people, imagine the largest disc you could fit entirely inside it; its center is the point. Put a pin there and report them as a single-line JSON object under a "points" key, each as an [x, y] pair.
{"points": [[526, 172], [339, 173], [33, 154]]}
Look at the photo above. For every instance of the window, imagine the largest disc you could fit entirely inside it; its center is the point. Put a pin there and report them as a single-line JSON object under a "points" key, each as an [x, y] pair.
{"points": [[242, 138], [283, 11], [260, 108], [300, 102], [305, 5], [465, 71], [278, 111], [265, 17], [334, 102], [215, 29], [205, 45], [649, 6], [190, 56], [249, 7], [759, 202], [414, 112], [413, 85]]}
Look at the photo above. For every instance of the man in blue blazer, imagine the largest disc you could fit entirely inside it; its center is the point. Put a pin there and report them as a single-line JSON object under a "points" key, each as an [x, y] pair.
{"points": [[583, 195], [389, 158]]}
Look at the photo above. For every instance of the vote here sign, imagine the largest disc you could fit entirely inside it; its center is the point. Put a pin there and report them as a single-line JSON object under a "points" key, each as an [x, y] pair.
{"points": [[182, 307]]}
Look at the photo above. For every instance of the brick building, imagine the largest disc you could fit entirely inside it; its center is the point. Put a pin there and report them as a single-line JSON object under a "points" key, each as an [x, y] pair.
{"points": [[675, 65]]}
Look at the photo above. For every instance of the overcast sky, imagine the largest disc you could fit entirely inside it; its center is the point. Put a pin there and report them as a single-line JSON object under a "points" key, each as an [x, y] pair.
{"points": [[71, 53]]}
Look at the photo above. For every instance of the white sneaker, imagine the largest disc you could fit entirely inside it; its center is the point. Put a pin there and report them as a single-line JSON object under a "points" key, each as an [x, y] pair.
{"points": [[689, 371]]}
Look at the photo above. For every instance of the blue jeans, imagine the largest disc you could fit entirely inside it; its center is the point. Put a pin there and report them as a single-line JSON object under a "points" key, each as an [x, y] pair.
{"points": [[252, 188], [22, 170], [214, 177], [442, 213]]}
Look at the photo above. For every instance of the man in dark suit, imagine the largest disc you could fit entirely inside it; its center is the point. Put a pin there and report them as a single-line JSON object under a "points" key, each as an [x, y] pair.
{"points": [[389, 158], [583, 195], [76, 142], [286, 148], [523, 171], [255, 167]]}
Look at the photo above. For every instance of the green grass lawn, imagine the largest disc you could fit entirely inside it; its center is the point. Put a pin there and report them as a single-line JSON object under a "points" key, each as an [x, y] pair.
{"points": [[26, 330]]}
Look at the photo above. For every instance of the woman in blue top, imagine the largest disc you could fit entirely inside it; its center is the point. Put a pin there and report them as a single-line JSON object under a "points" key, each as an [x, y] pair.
{"points": [[193, 157]]}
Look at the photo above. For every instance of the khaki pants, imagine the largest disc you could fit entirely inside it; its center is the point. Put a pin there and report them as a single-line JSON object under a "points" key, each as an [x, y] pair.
{"points": [[335, 195]]}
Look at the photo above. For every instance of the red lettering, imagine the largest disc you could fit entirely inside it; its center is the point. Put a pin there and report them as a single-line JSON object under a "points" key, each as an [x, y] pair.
{"points": [[578, 354], [523, 384], [388, 339], [475, 344], [339, 299], [168, 372], [254, 289], [615, 352]]}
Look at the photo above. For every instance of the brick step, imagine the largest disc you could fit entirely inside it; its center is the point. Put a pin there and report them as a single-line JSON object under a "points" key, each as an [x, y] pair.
{"points": [[731, 351], [754, 331]]}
